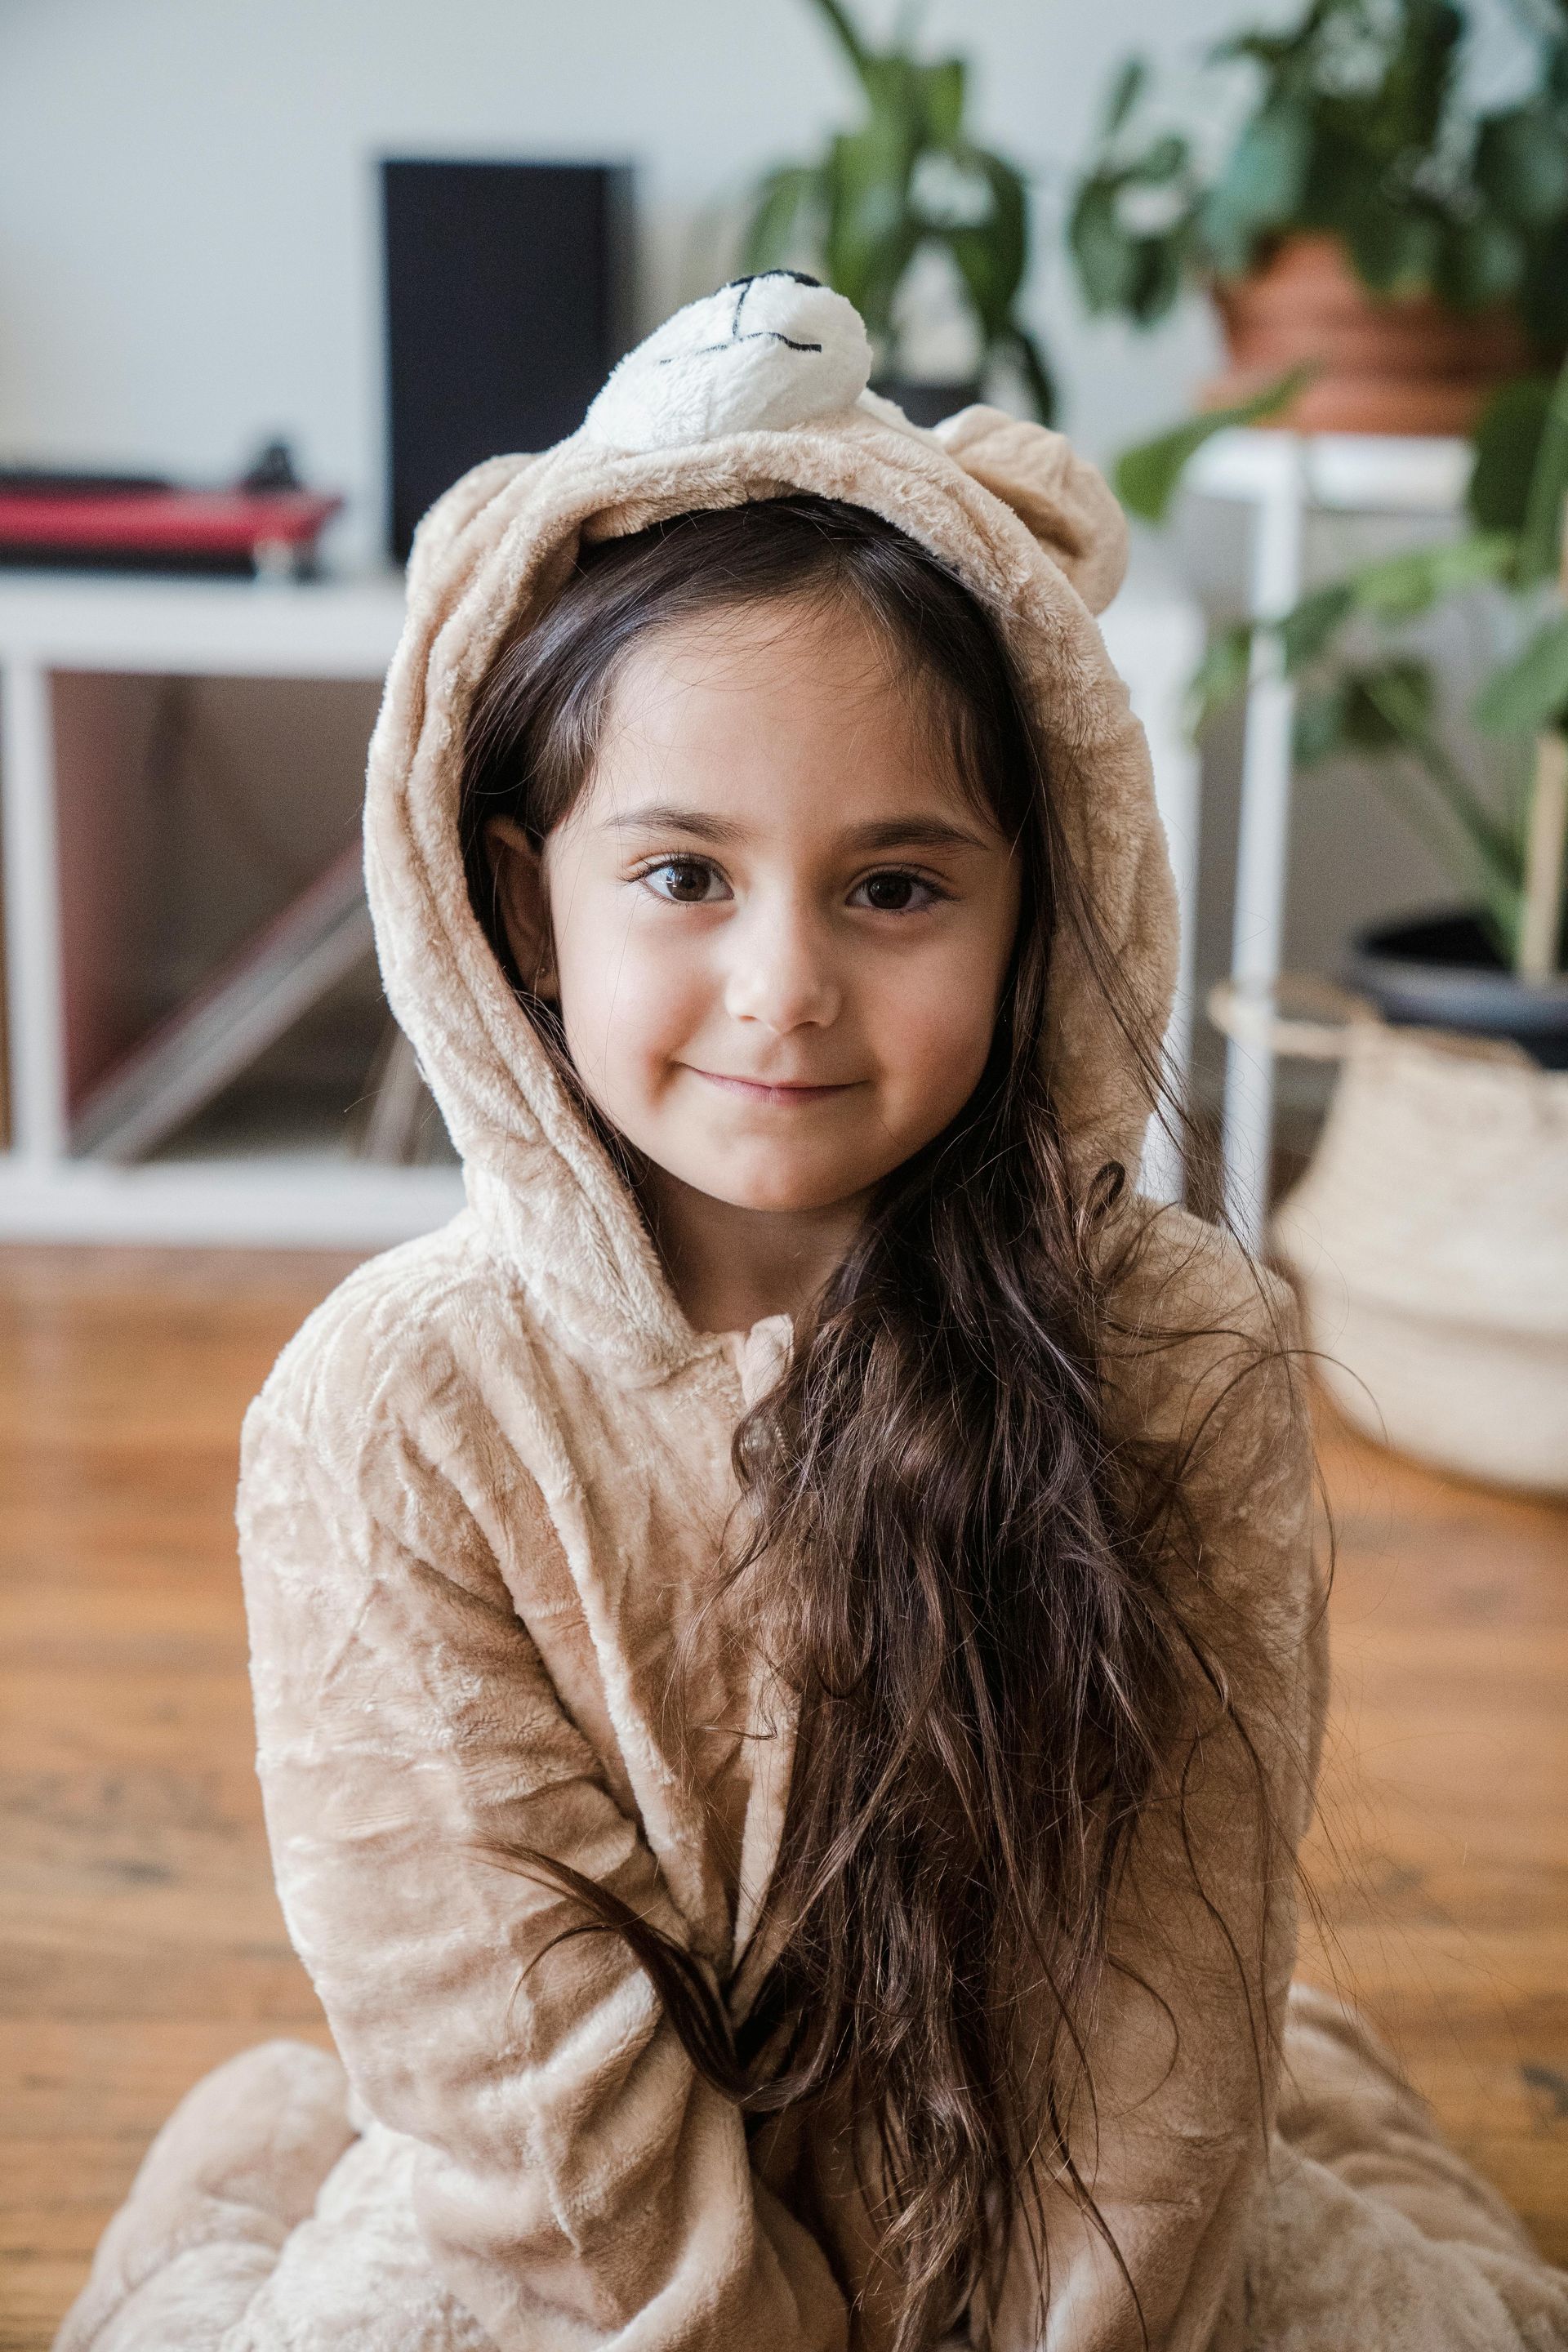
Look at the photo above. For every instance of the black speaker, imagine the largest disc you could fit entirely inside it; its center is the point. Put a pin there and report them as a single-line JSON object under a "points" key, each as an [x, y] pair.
{"points": [[507, 305]]}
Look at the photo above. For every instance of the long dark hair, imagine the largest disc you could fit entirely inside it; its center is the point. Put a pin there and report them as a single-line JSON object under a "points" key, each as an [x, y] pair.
{"points": [[968, 1585]]}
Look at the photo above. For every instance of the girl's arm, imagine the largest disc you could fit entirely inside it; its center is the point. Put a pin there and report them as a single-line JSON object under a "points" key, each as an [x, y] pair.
{"points": [[579, 2183]]}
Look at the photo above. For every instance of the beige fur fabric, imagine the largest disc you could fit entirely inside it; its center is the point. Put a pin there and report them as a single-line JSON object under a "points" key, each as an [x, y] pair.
{"points": [[481, 1499]]}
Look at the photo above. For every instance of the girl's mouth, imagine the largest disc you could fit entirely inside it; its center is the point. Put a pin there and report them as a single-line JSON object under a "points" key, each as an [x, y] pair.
{"points": [[780, 1091]]}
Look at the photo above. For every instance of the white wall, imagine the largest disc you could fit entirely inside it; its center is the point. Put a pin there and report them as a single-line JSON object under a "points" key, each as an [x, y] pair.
{"points": [[188, 239]]}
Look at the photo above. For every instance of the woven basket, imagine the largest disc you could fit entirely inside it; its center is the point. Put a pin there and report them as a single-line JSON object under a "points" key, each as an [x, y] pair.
{"points": [[1430, 1239]]}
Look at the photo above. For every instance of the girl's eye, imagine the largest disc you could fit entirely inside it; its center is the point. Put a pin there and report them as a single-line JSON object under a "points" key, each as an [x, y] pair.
{"points": [[684, 881], [897, 893]]}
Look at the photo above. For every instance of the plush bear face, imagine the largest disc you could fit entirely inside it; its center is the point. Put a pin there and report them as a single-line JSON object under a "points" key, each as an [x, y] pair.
{"points": [[761, 354]]}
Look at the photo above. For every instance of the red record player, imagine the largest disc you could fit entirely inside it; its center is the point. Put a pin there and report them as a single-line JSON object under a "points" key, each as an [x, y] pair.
{"points": [[136, 523]]}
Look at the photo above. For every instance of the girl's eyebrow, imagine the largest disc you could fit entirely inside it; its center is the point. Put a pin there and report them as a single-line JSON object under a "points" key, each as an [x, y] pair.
{"points": [[917, 831], [664, 816], [882, 832]]}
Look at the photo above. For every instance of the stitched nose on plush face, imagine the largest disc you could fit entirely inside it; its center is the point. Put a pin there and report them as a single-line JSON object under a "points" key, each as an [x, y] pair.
{"points": [[760, 355]]}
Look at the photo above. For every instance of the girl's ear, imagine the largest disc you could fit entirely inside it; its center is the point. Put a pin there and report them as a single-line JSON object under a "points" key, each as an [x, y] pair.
{"points": [[523, 902]]}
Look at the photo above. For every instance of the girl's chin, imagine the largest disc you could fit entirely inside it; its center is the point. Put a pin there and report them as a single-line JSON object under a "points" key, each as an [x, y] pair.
{"points": [[774, 1191]]}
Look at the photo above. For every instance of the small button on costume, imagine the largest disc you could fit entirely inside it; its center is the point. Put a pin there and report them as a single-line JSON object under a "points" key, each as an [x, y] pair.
{"points": [[479, 1514]]}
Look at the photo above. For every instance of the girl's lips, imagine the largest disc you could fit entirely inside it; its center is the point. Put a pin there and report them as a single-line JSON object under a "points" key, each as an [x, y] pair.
{"points": [[762, 1091]]}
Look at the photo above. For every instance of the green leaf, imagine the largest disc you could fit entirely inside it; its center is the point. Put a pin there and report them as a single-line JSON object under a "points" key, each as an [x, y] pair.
{"points": [[1531, 692], [1163, 160], [1507, 443], [845, 33], [1265, 50], [1405, 115], [1386, 706], [1105, 256], [1146, 476], [1479, 261], [992, 257], [871, 234], [1159, 275], [781, 198], [1540, 540], [1036, 374], [1394, 252], [1319, 732], [1125, 92], [1307, 629], [941, 91], [1399, 587], [1221, 675], [1521, 164], [1543, 297], [896, 117], [1389, 709], [1260, 187]]}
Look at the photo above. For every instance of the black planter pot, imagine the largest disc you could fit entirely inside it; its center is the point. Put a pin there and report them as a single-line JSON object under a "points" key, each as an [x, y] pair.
{"points": [[926, 404], [1442, 971]]}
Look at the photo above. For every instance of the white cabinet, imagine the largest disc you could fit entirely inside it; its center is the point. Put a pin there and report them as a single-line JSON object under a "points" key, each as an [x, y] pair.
{"points": [[87, 665]]}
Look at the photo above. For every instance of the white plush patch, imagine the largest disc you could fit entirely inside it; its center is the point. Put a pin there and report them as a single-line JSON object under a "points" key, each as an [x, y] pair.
{"points": [[887, 412], [762, 354]]}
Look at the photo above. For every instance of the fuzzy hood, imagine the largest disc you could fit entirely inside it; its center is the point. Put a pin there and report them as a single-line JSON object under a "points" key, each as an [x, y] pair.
{"points": [[753, 393]]}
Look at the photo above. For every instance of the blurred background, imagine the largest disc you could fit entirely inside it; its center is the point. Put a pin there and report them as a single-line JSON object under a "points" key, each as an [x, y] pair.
{"points": [[195, 253], [204, 255], [1295, 272]]}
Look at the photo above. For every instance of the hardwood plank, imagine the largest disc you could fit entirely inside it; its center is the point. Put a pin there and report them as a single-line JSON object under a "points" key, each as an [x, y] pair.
{"points": [[144, 1942], [1439, 1860]]}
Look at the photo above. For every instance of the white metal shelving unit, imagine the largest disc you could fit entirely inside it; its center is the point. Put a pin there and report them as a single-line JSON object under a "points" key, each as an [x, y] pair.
{"points": [[51, 625], [1284, 477], [1154, 634]]}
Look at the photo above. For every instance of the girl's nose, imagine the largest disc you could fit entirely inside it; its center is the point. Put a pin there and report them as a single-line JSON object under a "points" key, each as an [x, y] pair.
{"points": [[781, 974]]}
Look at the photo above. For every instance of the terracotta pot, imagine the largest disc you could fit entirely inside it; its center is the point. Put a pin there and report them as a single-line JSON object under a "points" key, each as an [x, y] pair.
{"points": [[1399, 363]]}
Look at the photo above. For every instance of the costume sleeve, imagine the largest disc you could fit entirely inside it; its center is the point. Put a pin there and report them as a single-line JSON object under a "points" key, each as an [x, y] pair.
{"points": [[1184, 2049], [579, 2184]]}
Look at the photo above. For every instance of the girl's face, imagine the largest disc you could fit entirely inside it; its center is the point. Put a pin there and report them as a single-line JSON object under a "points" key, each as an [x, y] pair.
{"points": [[776, 929]]}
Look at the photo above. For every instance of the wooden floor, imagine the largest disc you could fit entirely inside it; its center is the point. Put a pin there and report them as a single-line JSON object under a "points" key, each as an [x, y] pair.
{"points": [[142, 1942]]}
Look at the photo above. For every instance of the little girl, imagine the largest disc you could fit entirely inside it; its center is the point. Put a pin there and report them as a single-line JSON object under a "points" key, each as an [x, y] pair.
{"points": [[787, 1656]]}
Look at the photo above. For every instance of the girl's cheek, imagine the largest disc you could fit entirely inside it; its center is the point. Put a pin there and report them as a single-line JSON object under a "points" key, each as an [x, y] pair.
{"points": [[656, 992], [942, 1017]]}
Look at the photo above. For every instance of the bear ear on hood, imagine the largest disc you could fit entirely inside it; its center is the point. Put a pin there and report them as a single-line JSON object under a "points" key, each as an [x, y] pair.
{"points": [[1058, 496], [776, 350]]}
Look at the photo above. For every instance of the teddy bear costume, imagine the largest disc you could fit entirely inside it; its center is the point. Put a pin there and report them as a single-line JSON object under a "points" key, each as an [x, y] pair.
{"points": [[479, 1507]]}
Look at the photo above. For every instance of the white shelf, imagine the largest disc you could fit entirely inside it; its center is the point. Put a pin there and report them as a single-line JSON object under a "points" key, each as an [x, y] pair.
{"points": [[1154, 634], [1284, 477], [1347, 473], [54, 624], [286, 1200], [211, 628]]}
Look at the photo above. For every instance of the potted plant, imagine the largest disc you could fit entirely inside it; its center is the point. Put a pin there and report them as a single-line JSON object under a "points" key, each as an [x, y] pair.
{"points": [[1495, 963], [907, 180], [1358, 219], [1428, 1235]]}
